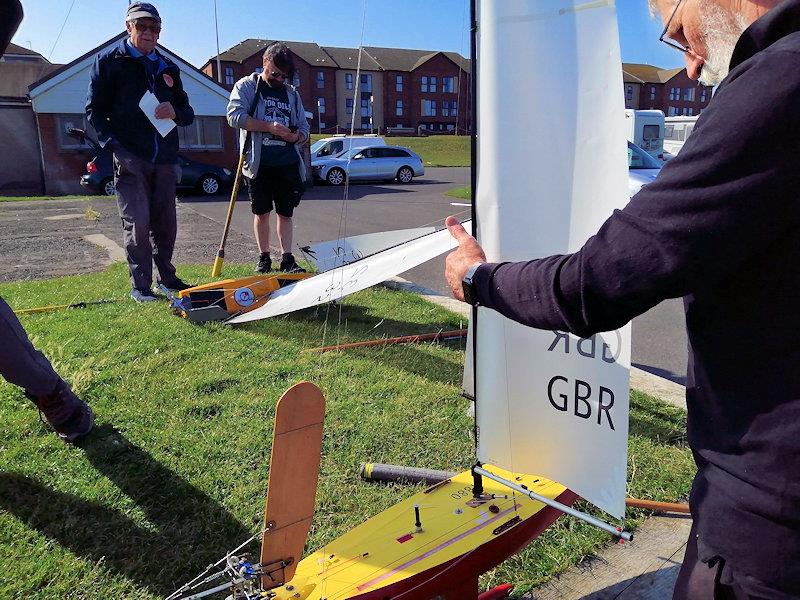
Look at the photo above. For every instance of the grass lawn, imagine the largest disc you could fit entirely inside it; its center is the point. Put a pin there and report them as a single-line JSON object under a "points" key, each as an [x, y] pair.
{"points": [[174, 474], [463, 192], [34, 198], [435, 150]]}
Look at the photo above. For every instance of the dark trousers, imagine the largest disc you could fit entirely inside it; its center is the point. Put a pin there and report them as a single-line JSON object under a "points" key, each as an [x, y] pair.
{"points": [[21, 363], [146, 203], [699, 581]]}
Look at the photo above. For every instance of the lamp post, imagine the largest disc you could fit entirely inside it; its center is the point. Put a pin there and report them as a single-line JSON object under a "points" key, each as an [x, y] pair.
{"points": [[319, 115], [216, 29], [371, 108]]}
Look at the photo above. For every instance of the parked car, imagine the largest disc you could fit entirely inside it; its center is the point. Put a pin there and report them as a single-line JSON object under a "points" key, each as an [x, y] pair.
{"points": [[196, 176], [377, 162], [333, 146], [642, 168]]}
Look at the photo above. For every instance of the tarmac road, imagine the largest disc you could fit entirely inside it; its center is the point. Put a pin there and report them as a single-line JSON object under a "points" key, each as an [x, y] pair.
{"points": [[659, 338]]}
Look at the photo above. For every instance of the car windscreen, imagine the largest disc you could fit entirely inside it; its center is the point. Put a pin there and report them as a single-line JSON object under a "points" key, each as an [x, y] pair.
{"points": [[317, 145], [639, 159]]}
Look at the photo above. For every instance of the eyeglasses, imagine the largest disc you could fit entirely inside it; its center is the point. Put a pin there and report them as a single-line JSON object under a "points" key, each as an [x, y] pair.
{"points": [[669, 43], [142, 27]]}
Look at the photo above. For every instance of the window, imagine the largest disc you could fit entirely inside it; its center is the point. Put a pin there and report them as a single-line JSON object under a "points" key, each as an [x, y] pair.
{"points": [[650, 132], [399, 126], [348, 103], [450, 127], [449, 84], [366, 107], [259, 70], [72, 121], [429, 108], [423, 86], [321, 105], [348, 81], [672, 112], [688, 112], [454, 109], [296, 80], [703, 95], [205, 133], [366, 83], [652, 92], [629, 92], [398, 83], [229, 76], [688, 95], [669, 132], [675, 93], [446, 108], [320, 80], [322, 125], [398, 111]]}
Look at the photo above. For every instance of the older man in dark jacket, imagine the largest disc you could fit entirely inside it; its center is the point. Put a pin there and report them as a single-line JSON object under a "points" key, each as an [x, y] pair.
{"points": [[719, 227], [146, 168]]}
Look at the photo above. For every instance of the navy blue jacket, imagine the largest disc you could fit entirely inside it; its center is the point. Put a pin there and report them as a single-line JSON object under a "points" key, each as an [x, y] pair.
{"points": [[117, 84], [720, 227]]}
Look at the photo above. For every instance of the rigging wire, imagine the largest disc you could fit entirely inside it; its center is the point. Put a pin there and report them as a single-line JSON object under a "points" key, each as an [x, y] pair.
{"points": [[60, 31]]}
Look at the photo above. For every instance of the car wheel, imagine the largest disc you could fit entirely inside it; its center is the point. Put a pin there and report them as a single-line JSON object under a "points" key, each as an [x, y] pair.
{"points": [[209, 185], [336, 177], [405, 175], [108, 186]]}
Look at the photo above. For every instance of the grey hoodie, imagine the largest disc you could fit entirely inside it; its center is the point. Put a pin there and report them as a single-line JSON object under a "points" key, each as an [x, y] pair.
{"points": [[242, 96]]}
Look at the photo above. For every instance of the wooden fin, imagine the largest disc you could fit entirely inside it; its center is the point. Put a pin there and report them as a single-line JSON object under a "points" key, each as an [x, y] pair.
{"points": [[293, 475]]}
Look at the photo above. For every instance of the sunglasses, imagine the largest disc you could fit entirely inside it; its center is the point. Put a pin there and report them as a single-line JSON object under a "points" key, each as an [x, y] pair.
{"points": [[142, 27], [279, 75]]}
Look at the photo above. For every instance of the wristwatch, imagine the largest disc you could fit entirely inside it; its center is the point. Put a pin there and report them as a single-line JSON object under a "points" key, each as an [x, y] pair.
{"points": [[468, 288]]}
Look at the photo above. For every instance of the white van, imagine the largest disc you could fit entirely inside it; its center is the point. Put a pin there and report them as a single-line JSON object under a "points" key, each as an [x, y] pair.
{"points": [[645, 128], [678, 130], [333, 146]]}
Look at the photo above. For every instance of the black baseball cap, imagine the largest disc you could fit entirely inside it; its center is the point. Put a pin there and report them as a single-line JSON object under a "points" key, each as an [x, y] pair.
{"points": [[142, 10]]}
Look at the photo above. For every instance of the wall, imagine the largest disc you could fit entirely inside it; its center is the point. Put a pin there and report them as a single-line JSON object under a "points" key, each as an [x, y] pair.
{"points": [[439, 66]]}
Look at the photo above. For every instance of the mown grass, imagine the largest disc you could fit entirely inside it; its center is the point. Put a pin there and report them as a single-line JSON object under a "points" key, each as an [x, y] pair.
{"points": [[435, 150], [464, 192], [174, 474]]}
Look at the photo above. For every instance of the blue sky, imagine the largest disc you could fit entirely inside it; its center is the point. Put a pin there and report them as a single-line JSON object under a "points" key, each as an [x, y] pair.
{"points": [[189, 26]]}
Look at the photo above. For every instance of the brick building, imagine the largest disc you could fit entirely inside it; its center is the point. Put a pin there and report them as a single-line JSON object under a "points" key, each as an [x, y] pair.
{"points": [[668, 90], [20, 162], [403, 91], [59, 100]]}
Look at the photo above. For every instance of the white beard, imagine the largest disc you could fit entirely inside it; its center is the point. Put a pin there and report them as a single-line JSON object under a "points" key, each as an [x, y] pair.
{"points": [[721, 31]]}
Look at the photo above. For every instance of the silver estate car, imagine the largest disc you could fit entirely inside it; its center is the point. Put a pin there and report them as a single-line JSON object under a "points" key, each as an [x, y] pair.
{"points": [[377, 162]]}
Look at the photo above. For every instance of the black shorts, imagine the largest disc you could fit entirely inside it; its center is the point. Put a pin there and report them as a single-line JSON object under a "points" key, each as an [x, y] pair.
{"points": [[278, 187]]}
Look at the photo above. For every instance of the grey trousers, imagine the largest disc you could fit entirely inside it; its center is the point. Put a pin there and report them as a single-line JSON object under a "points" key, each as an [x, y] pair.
{"points": [[21, 363], [146, 203]]}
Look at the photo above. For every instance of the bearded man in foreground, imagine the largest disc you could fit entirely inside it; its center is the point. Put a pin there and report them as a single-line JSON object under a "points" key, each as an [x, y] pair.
{"points": [[718, 227]]}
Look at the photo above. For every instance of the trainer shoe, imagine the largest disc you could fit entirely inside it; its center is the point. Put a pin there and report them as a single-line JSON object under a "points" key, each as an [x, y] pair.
{"points": [[69, 416], [289, 264], [143, 295], [264, 263], [171, 289]]}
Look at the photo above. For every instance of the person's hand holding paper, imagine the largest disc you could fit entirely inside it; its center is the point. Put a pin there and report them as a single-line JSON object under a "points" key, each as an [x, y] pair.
{"points": [[159, 113]]}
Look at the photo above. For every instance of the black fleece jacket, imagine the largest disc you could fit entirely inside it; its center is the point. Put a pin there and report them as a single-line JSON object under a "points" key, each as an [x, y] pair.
{"points": [[720, 227]]}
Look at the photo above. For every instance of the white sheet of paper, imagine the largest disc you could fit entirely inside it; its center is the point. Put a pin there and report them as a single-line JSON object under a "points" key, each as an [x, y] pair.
{"points": [[148, 105]]}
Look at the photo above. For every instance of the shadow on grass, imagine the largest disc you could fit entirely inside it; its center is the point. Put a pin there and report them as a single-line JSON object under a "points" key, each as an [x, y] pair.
{"points": [[192, 529]]}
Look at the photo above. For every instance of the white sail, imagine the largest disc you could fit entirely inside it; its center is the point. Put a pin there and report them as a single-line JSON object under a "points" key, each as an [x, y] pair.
{"points": [[552, 167], [335, 253], [352, 277]]}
